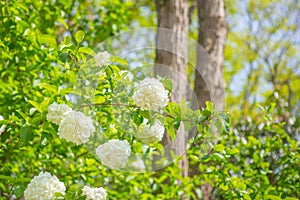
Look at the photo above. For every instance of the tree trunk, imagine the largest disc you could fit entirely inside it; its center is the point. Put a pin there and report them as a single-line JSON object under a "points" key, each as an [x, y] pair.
{"points": [[171, 51], [209, 85], [211, 36]]}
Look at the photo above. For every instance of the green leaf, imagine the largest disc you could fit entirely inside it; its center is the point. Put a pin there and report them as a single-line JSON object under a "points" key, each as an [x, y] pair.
{"points": [[210, 106], [272, 197], [49, 40], [36, 105], [200, 128], [224, 187], [233, 151], [79, 36], [219, 147], [23, 115], [145, 113], [168, 84], [119, 60], [290, 198], [19, 190], [26, 134], [67, 40], [86, 50], [171, 131], [64, 57], [99, 99], [62, 21]]}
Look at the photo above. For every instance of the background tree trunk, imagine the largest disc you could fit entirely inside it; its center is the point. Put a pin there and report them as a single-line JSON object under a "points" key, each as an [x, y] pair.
{"points": [[208, 86], [171, 49], [211, 36]]}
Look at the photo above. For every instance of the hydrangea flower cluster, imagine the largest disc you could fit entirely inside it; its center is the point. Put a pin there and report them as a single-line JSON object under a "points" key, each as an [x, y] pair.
{"points": [[114, 154], [57, 112], [94, 193], [44, 186], [102, 59], [150, 95], [74, 126], [149, 134]]}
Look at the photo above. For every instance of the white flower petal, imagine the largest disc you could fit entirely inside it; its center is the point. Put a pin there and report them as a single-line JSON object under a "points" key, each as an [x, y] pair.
{"points": [[57, 112], [44, 186], [102, 58], [94, 193], [150, 95], [114, 154], [76, 127]]}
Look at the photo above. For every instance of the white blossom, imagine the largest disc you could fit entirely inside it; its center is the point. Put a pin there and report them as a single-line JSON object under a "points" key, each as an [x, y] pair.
{"points": [[102, 58], [114, 154], [150, 95], [57, 112], [2, 128], [149, 134], [43, 187], [32, 111], [76, 127], [94, 193]]}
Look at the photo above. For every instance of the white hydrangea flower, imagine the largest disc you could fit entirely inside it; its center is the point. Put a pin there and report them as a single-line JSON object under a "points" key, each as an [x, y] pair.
{"points": [[94, 193], [114, 154], [149, 134], [76, 127], [57, 112], [102, 58], [43, 187], [2, 128], [150, 95]]}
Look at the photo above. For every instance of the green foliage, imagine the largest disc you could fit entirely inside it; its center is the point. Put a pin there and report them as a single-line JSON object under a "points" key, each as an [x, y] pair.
{"points": [[43, 47]]}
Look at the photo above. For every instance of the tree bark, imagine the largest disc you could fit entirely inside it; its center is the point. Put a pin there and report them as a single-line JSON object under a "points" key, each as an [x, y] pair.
{"points": [[209, 85], [212, 35], [171, 62]]}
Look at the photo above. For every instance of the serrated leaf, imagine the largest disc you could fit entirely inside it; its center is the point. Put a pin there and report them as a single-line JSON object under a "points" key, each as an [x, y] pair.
{"points": [[79, 36]]}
